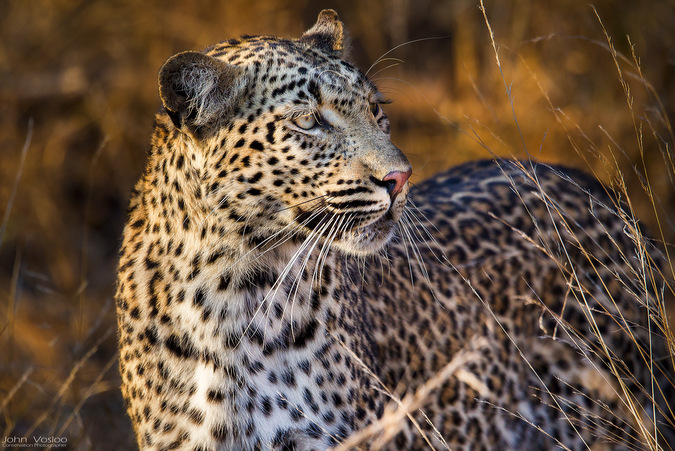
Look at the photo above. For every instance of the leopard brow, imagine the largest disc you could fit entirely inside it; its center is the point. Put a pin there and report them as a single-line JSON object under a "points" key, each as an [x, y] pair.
{"points": [[296, 110], [331, 82]]}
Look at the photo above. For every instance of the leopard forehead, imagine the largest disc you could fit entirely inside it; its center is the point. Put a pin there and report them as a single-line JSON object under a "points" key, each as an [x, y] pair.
{"points": [[279, 66]]}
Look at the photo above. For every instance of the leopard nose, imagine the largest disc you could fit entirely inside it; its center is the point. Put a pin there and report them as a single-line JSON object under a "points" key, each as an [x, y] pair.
{"points": [[394, 182]]}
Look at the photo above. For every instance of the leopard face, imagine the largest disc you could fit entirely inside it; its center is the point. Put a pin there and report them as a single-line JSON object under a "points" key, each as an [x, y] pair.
{"points": [[285, 137]]}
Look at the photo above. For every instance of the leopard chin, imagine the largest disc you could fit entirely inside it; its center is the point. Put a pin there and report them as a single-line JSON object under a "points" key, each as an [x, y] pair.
{"points": [[371, 238]]}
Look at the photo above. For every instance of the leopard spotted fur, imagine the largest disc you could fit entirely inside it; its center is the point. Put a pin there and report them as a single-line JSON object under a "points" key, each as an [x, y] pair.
{"points": [[278, 277]]}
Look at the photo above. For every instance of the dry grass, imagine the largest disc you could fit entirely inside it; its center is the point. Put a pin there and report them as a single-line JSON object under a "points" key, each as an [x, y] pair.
{"points": [[79, 91]]}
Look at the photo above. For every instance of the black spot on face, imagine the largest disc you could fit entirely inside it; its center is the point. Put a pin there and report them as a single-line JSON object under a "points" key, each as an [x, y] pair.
{"points": [[256, 178], [200, 296], [314, 91], [135, 313], [181, 347], [151, 334], [271, 128], [196, 416], [215, 396]]}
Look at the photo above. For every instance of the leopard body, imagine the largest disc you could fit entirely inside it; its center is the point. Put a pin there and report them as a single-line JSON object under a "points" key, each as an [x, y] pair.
{"points": [[279, 282]]}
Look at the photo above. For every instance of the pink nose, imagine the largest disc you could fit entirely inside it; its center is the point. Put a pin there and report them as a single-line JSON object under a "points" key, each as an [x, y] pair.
{"points": [[395, 180]]}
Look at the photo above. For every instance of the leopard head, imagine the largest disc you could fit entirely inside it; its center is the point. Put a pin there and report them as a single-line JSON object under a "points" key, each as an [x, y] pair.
{"points": [[281, 137]]}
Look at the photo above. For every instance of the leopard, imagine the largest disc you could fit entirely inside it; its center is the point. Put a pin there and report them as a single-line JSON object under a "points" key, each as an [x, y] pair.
{"points": [[283, 285]]}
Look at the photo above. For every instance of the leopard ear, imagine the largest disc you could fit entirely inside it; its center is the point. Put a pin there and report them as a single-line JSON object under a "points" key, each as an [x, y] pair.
{"points": [[197, 89], [327, 33]]}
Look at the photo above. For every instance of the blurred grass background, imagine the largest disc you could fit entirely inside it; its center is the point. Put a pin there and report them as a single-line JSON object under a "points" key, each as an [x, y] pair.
{"points": [[78, 93]]}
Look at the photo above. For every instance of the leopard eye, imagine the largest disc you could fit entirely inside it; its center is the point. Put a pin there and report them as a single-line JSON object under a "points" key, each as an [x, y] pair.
{"points": [[306, 122], [375, 109]]}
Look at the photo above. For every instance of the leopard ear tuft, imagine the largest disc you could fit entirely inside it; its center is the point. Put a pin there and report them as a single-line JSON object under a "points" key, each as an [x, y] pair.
{"points": [[327, 33], [197, 89]]}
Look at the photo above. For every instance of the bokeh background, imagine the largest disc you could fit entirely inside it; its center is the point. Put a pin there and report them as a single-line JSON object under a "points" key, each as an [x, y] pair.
{"points": [[78, 94]]}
